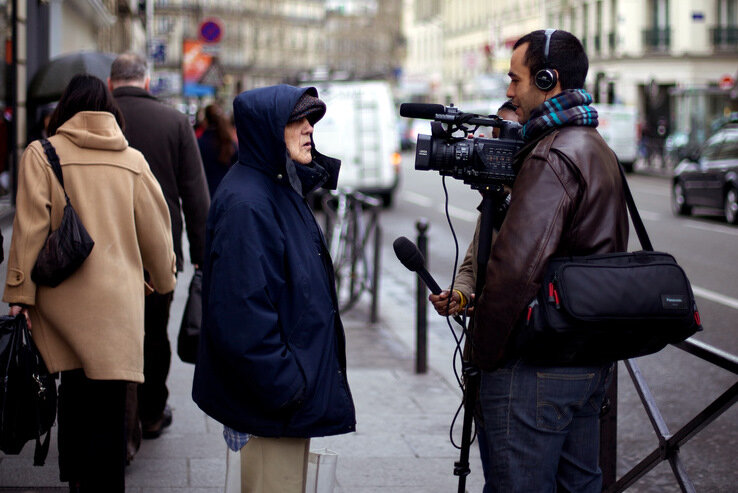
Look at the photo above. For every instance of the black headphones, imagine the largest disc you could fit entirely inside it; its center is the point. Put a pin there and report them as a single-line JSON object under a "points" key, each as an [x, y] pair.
{"points": [[546, 78]]}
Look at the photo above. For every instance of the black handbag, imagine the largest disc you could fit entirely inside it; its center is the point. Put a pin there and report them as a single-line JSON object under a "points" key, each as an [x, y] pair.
{"points": [[189, 329], [67, 246], [28, 395], [603, 308]]}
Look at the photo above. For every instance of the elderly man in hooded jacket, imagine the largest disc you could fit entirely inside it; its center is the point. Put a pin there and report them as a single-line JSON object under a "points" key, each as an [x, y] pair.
{"points": [[272, 361]]}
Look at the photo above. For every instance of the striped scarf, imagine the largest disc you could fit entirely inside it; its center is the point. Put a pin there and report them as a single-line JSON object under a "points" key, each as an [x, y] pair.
{"points": [[569, 107]]}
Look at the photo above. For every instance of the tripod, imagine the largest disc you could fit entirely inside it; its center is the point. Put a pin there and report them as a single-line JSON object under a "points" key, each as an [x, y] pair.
{"points": [[492, 211]]}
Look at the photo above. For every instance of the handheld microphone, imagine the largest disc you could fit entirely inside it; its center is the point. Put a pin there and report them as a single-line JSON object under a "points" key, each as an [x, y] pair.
{"points": [[411, 258], [424, 111]]}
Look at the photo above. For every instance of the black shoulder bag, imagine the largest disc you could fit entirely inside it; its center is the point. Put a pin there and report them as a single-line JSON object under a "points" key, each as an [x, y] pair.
{"points": [[66, 247], [603, 308], [28, 391]]}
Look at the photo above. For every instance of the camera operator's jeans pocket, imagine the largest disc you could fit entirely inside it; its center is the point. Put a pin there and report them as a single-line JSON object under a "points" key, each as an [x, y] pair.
{"points": [[542, 426]]}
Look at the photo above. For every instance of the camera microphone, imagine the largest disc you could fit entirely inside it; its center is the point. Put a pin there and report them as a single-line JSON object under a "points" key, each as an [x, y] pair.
{"points": [[421, 110], [411, 258]]}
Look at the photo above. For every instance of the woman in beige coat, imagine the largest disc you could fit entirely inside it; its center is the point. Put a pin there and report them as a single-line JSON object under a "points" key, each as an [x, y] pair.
{"points": [[91, 327]]}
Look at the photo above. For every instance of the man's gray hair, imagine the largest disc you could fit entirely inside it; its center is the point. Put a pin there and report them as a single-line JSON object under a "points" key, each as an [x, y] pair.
{"points": [[129, 67]]}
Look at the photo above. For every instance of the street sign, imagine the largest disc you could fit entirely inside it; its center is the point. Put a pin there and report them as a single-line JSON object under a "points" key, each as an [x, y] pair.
{"points": [[211, 30]]}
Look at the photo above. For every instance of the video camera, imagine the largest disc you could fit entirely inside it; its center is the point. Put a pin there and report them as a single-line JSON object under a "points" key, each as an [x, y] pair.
{"points": [[477, 161]]}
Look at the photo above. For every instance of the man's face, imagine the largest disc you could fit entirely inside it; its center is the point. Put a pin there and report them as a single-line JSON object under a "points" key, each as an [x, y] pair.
{"points": [[521, 91], [297, 138]]}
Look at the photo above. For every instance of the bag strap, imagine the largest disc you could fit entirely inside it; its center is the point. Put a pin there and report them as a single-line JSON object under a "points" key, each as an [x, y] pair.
{"points": [[634, 215], [54, 162]]}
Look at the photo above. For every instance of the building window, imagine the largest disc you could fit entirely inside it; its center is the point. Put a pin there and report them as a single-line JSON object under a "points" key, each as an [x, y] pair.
{"points": [[658, 36], [725, 34]]}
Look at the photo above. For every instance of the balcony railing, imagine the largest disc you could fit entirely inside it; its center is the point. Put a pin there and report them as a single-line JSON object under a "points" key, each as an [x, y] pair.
{"points": [[611, 41], [725, 38], [657, 39]]}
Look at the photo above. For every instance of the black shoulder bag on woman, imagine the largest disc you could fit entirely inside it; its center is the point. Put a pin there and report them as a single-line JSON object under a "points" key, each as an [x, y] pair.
{"points": [[66, 247], [602, 308]]}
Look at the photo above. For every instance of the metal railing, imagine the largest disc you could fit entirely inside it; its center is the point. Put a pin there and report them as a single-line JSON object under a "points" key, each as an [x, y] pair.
{"points": [[670, 443]]}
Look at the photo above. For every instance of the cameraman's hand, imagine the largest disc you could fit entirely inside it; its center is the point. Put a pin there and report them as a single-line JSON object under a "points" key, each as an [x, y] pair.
{"points": [[442, 305]]}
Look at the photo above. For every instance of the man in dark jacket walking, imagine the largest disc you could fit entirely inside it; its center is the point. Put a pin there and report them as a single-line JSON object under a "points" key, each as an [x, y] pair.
{"points": [[542, 421], [272, 361], [167, 141]]}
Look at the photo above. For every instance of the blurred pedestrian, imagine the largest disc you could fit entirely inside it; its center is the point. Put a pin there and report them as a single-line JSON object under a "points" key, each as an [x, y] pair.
{"points": [[90, 327], [272, 358], [167, 141], [217, 148]]}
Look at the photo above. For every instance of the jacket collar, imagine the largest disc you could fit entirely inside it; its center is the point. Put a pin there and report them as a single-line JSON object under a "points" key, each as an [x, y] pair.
{"points": [[132, 91]]}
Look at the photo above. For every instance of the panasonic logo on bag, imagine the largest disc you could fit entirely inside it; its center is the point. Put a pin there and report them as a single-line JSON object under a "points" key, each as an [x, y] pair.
{"points": [[674, 302]]}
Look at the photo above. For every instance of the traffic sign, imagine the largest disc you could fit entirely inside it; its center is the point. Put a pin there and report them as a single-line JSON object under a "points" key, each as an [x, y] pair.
{"points": [[211, 30]]}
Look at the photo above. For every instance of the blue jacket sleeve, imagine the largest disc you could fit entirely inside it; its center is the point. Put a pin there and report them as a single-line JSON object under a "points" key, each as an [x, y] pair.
{"points": [[247, 282]]}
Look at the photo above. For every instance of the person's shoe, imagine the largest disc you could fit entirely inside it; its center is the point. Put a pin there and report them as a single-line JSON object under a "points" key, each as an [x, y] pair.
{"points": [[154, 429]]}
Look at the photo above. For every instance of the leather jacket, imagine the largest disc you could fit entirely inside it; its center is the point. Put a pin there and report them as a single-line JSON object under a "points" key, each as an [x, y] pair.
{"points": [[567, 199]]}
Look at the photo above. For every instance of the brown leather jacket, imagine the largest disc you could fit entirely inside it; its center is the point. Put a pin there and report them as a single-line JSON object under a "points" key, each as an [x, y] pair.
{"points": [[557, 209]]}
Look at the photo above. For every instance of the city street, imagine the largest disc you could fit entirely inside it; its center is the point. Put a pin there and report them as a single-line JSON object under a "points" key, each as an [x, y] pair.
{"points": [[704, 245]]}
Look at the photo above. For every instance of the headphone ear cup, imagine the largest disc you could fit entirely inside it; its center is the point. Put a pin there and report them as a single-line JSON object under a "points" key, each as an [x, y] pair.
{"points": [[545, 79]]}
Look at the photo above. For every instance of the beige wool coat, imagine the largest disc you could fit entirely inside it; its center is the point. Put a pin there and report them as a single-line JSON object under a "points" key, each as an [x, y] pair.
{"points": [[94, 319]]}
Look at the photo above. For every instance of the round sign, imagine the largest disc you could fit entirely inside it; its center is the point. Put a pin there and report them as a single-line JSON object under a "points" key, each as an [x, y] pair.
{"points": [[726, 82], [211, 30]]}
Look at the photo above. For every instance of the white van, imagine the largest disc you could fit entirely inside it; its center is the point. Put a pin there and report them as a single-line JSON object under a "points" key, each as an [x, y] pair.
{"points": [[618, 125], [360, 129]]}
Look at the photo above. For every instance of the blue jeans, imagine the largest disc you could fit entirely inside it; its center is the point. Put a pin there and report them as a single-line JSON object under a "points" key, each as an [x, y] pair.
{"points": [[542, 427]]}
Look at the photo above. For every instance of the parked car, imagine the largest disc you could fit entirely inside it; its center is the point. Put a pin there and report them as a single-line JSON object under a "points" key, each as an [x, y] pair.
{"points": [[709, 178]]}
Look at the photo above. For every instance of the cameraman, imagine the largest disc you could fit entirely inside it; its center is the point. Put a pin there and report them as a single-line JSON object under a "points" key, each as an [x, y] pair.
{"points": [[542, 422], [463, 294]]}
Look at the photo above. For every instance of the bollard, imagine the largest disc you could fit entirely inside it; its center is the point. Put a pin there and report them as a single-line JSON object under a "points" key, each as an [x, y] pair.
{"points": [[375, 275], [421, 326]]}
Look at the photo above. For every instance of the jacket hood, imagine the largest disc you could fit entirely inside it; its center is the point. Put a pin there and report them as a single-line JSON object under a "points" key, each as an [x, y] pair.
{"points": [[261, 116], [94, 130]]}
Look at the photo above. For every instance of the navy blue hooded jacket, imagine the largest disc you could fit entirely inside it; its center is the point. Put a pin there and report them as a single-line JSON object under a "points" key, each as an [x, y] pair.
{"points": [[272, 356]]}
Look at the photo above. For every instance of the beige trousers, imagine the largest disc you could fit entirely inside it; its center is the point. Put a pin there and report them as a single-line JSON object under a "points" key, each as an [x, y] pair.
{"points": [[274, 465]]}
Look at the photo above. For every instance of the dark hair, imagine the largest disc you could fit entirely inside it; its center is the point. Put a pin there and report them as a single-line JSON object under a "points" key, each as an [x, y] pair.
{"points": [[224, 142], [507, 105], [565, 54], [85, 92]]}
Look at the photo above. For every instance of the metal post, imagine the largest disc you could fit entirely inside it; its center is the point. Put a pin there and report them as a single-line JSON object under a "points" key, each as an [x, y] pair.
{"points": [[609, 433], [375, 274], [421, 327]]}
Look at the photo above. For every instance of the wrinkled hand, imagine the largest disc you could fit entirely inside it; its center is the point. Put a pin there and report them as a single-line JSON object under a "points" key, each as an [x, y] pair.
{"points": [[16, 309]]}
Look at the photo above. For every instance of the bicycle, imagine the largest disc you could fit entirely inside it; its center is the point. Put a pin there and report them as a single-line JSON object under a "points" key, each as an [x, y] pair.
{"points": [[352, 219]]}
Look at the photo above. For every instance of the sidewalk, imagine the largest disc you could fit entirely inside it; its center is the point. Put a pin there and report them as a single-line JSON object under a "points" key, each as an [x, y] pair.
{"points": [[402, 440]]}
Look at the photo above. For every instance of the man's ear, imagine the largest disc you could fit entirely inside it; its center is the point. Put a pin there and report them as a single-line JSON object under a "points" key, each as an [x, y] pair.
{"points": [[110, 85]]}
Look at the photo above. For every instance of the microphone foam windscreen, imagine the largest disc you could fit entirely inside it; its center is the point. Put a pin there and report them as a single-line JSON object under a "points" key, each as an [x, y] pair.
{"points": [[408, 254]]}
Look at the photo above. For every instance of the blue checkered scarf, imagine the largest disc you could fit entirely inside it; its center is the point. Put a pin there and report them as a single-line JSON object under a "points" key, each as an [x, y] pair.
{"points": [[568, 108]]}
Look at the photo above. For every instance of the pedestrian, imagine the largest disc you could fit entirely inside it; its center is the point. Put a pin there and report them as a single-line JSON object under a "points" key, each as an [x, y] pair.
{"points": [[462, 299], [90, 327], [272, 358], [542, 421], [167, 141], [217, 148]]}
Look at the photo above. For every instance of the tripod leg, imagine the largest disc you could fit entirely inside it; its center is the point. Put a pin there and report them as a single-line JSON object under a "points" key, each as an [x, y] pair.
{"points": [[471, 390]]}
